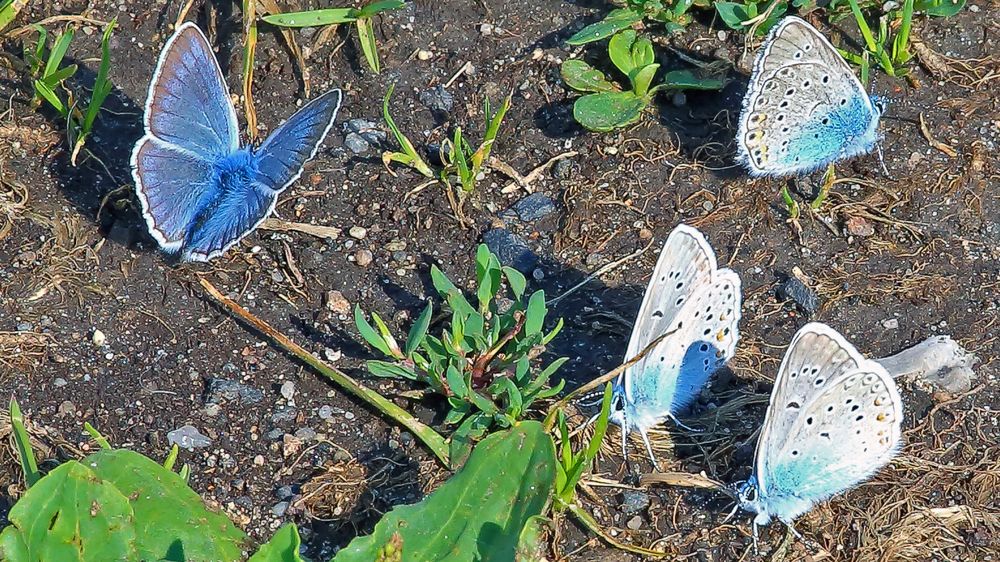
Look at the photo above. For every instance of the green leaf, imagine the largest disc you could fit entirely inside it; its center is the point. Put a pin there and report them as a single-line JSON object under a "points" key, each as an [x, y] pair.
{"points": [[456, 382], [22, 443], [488, 276], [544, 376], [515, 401], [584, 78], [642, 52], [71, 515], [283, 546], [478, 514], [390, 370], [9, 10], [368, 332], [535, 313], [615, 21], [939, 8], [102, 85], [516, 280], [465, 437], [690, 80], [187, 530], [531, 545], [313, 18], [733, 14], [57, 77], [419, 330], [555, 331], [59, 49], [366, 36], [45, 92], [608, 110], [377, 7], [642, 78], [620, 50]]}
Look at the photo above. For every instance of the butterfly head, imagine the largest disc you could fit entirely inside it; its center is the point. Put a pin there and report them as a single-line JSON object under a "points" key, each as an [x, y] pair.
{"points": [[749, 496], [617, 413], [880, 103]]}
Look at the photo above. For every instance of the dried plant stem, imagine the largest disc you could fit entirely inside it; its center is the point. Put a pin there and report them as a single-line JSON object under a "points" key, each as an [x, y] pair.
{"points": [[432, 439]]}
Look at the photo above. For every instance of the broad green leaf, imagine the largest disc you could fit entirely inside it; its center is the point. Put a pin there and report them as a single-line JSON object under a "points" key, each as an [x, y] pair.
{"points": [[535, 313], [368, 332], [72, 515], [185, 531], [642, 78], [733, 14], [515, 402], [584, 78], [389, 370], [516, 280], [313, 18], [615, 21], [478, 514], [419, 330], [608, 110], [531, 545], [620, 50], [456, 383], [283, 546], [939, 8], [642, 52]]}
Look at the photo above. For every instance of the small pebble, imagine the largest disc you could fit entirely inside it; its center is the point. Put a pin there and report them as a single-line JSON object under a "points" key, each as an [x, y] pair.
{"points": [[358, 232], [98, 338], [634, 523], [59, 382], [337, 303], [424, 54], [363, 258], [288, 390], [325, 412], [890, 323], [279, 509]]}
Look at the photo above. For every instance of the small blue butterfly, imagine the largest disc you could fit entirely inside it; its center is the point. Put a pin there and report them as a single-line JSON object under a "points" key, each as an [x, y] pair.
{"points": [[200, 191], [700, 305], [804, 108], [833, 420]]}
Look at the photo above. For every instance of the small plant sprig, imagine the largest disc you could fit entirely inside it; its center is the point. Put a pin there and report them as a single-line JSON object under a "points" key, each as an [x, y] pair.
{"points": [[482, 362], [570, 466], [49, 77], [409, 156], [605, 106], [672, 14], [360, 17], [458, 156]]}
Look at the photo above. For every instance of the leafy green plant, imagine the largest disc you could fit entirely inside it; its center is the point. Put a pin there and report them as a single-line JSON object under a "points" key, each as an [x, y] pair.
{"points": [[605, 106], [742, 17], [479, 513], [409, 156], [891, 52], [672, 14], [360, 17], [49, 77], [482, 362], [458, 156], [572, 466]]}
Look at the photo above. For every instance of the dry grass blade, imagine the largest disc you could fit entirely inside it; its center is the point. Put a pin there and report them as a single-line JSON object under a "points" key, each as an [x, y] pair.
{"points": [[686, 480], [19, 350], [316, 230], [13, 204], [951, 152]]}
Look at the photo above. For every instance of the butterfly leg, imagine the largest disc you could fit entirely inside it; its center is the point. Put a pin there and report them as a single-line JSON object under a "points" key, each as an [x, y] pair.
{"points": [[881, 160], [678, 423], [649, 449]]}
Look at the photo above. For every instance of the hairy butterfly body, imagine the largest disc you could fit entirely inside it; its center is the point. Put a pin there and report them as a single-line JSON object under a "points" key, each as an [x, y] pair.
{"points": [[699, 305], [804, 108], [833, 420], [200, 191]]}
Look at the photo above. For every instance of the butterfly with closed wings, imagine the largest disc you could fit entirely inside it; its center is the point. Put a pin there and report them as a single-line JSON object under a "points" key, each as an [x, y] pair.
{"points": [[200, 191], [833, 420], [804, 108], [698, 304]]}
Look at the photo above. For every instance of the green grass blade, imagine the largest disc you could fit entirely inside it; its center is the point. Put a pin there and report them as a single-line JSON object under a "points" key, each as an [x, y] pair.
{"points": [[415, 161], [366, 36], [43, 91], [58, 51], [313, 18], [9, 11], [376, 8], [29, 466], [96, 436], [102, 85]]}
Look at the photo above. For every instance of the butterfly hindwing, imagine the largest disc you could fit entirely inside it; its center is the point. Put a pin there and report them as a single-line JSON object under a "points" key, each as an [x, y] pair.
{"points": [[188, 104], [828, 427], [281, 157], [804, 108]]}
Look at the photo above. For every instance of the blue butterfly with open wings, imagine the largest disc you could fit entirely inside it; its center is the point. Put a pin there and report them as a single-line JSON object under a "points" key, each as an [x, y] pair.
{"points": [[200, 191]]}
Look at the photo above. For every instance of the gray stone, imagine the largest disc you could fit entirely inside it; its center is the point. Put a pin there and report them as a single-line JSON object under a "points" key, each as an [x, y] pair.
{"points": [[222, 390], [284, 492], [534, 207], [797, 291], [437, 99], [188, 437], [283, 413], [368, 131], [634, 523], [280, 509], [938, 362], [59, 382], [563, 169], [511, 249], [325, 412], [305, 433], [634, 501], [356, 143], [288, 390]]}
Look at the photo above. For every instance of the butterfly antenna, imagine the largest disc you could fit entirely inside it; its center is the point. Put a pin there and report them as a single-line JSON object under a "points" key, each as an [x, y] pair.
{"points": [[593, 398]]}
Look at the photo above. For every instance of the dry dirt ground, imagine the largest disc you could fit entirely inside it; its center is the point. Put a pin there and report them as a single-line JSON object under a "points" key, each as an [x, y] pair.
{"points": [[893, 260]]}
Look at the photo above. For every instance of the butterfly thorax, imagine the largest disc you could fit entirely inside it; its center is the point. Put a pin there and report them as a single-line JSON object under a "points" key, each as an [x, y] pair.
{"points": [[236, 171]]}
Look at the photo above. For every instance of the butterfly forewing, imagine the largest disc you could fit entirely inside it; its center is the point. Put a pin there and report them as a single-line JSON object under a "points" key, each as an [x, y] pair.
{"points": [[845, 427], [188, 104], [804, 107]]}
